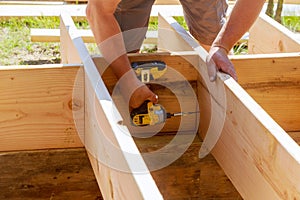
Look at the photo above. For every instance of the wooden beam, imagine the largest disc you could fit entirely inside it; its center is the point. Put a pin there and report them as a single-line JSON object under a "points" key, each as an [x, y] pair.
{"points": [[53, 35], [210, 182], [178, 180], [281, 40], [189, 177], [253, 149], [168, 97], [46, 174], [185, 42], [289, 1], [273, 81], [157, 2], [36, 107], [295, 135], [118, 176], [41, 10], [7, 11], [67, 174], [15, 2]]}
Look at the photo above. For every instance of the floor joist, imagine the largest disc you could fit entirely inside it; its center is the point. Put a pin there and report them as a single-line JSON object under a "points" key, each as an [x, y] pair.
{"points": [[157, 2], [46, 133], [7, 11], [36, 107], [118, 176], [252, 144], [272, 79], [282, 40], [32, 10], [53, 35]]}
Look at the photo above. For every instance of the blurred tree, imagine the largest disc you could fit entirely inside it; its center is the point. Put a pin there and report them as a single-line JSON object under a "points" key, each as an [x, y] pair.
{"points": [[270, 10], [277, 16]]}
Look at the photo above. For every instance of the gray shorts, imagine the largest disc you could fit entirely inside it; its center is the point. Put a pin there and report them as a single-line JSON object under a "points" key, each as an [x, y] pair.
{"points": [[203, 17]]}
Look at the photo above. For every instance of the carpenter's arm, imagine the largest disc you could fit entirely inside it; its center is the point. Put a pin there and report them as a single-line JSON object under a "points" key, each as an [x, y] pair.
{"points": [[100, 14], [240, 20]]}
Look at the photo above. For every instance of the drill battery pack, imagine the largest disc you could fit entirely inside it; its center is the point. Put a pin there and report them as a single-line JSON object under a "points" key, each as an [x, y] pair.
{"points": [[147, 71]]}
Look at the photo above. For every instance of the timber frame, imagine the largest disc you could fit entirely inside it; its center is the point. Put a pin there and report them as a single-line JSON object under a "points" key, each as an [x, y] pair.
{"points": [[257, 148]]}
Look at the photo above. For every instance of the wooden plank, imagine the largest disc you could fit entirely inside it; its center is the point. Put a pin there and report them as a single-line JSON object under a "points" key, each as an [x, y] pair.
{"points": [[41, 10], [157, 2], [263, 147], [15, 2], [67, 174], [170, 88], [47, 174], [253, 149], [53, 35], [290, 1], [295, 135], [118, 166], [282, 40], [175, 181], [188, 177], [273, 81], [185, 42], [36, 107], [24, 185], [78, 11], [167, 2]]}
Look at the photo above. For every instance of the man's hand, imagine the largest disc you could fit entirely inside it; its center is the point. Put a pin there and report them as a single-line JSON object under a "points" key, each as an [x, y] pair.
{"points": [[217, 59]]}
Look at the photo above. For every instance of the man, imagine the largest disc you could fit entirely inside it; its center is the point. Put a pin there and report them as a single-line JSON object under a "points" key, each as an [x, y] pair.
{"points": [[206, 22]]}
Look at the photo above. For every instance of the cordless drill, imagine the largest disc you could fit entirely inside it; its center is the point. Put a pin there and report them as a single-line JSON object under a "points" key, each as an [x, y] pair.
{"points": [[152, 114]]}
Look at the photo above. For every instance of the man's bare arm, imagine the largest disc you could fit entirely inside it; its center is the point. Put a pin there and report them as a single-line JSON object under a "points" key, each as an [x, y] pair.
{"points": [[100, 14], [240, 20]]}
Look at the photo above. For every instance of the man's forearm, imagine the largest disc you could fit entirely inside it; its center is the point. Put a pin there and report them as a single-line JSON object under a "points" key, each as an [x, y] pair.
{"points": [[109, 39], [240, 20]]}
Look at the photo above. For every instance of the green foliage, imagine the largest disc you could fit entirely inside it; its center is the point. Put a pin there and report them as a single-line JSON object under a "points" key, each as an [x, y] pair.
{"points": [[15, 44], [292, 23], [240, 48], [181, 21], [153, 23], [15, 23], [149, 48]]}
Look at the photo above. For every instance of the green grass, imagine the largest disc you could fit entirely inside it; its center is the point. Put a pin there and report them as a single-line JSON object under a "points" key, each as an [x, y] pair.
{"points": [[153, 23], [16, 47], [292, 23]]}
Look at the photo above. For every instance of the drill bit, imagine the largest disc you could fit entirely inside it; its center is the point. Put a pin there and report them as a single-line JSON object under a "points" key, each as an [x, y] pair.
{"points": [[169, 115]]}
